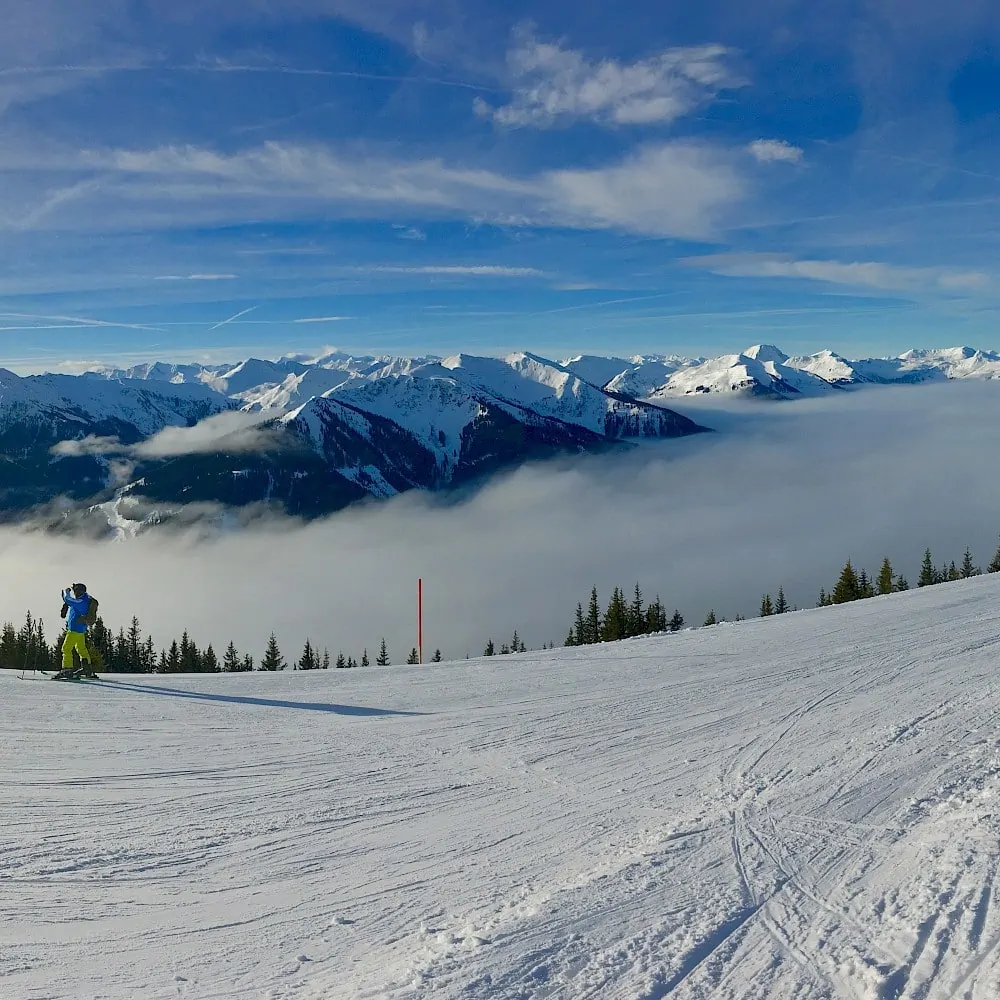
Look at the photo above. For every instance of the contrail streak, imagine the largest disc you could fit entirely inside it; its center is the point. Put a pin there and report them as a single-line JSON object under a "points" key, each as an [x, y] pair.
{"points": [[232, 319]]}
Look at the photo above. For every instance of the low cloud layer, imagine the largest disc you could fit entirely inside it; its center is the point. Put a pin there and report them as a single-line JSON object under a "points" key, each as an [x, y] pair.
{"points": [[234, 431], [780, 497]]}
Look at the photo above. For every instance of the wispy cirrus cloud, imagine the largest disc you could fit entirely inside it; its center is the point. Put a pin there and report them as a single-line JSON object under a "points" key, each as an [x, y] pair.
{"points": [[677, 188], [553, 84], [861, 274], [459, 270], [195, 277]]}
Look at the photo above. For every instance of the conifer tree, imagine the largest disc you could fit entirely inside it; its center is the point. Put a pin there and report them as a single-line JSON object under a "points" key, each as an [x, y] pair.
{"points": [[351, 663], [616, 619], [365, 662], [505, 650], [968, 567], [307, 661], [865, 588], [902, 584], [593, 632], [953, 572], [490, 650], [325, 665], [656, 616], [636, 614], [413, 658], [341, 663], [677, 622], [885, 583], [515, 643], [247, 663], [8, 647], [711, 619], [148, 656], [174, 659], [781, 604], [570, 639], [994, 566], [928, 575], [272, 659], [436, 658], [766, 607], [383, 655], [134, 639], [823, 601], [847, 588], [231, 661], [185, 653], [209, 661], [163, 667], [579, 631]]}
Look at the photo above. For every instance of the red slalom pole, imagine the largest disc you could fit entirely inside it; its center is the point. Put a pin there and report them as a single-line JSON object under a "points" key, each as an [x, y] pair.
{"points": [[420, 620]]}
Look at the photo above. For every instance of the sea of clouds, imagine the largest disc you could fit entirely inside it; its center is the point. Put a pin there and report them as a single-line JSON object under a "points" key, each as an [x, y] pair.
{"points": [[782, 494]]}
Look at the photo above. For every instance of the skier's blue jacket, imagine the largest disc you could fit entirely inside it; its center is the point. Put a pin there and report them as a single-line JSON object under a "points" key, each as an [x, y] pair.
{"points": [[78, 607]]}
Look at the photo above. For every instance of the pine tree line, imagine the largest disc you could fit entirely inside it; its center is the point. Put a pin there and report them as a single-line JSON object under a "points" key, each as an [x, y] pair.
{"points": [[856, 585], [621, 619], [129, 651]]}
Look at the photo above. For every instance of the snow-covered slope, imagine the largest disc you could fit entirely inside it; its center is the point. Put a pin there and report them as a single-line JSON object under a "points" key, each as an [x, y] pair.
{"points": [[801, 806], [762, 370], [89, 400], [548, 389]]}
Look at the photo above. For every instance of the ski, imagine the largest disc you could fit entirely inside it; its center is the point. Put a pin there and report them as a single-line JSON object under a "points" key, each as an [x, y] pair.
{"points": [[73, 674]]}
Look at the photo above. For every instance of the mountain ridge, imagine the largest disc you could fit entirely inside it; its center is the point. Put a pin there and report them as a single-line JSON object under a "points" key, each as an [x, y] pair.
{"points": [[340, 427]]}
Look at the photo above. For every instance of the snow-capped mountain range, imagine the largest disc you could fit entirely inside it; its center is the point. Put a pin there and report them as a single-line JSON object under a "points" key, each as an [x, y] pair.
{"points": [[341, 427]]}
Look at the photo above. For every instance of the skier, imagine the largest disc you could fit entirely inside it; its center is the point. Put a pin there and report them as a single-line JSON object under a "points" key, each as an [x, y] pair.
{"points": [[79, 603]]}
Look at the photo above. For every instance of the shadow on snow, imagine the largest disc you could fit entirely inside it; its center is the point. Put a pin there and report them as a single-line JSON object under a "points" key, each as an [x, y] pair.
{"points": [[241, 699]]}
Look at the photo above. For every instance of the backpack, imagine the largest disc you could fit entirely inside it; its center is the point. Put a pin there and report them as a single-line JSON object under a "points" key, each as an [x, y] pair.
{"points": [[90, 618]]}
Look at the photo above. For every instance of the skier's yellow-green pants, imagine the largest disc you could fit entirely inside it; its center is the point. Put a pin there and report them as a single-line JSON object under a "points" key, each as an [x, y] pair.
{"points": [[77, 641]]}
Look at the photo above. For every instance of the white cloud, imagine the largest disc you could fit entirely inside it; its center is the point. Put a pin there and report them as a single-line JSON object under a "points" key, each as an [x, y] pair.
{"points": [[676, 189], [779, 497], [665, 189], [775, 151], [462, 270], [233, 431], [321, 319], [195, 277], [411, 233], [870, 274], [553, 84], [91, 445]]}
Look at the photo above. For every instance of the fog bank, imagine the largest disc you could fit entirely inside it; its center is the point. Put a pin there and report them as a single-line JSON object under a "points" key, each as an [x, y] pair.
{"points": [[780, 496]]}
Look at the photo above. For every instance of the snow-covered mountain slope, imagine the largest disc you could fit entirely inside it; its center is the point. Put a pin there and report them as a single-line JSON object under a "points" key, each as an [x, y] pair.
{"points": [[523, 401], [953, 362], [646, 376], [800, 806], [87, 400], [548, 389], [762, 370], [597, 370], [294, 390], [830, 367]]}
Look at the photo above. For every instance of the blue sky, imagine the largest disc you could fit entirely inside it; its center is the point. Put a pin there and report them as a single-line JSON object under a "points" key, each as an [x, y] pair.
{"points": [[212, 180]]}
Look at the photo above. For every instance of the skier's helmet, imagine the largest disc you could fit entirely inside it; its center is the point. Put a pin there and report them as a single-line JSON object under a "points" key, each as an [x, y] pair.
{"points": [[79, 589]]}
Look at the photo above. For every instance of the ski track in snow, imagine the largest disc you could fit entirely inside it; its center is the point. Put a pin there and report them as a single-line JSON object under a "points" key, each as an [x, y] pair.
{"points": [[802, 807]]}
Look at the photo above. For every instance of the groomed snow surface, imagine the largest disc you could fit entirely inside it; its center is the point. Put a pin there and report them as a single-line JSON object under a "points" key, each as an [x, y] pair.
{"points": [[798, 807]]}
